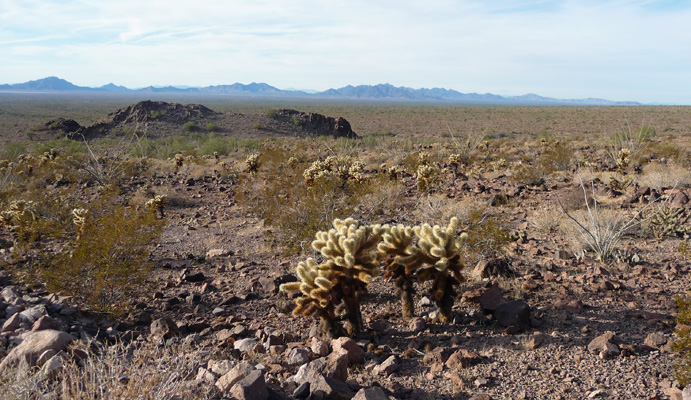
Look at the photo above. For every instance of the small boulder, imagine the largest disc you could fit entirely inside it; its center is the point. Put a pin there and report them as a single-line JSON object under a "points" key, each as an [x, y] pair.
{"points": [[330, 389], [388, 367], [373, 393], [515, 313], [251, 387], [603, 346], [346, 345], [29, 350]]}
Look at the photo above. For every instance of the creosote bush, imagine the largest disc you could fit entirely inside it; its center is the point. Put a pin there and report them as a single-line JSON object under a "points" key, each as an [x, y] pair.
{"points": [[107, 260]]}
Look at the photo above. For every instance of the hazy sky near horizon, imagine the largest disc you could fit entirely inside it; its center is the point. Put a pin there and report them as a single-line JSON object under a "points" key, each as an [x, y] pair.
{"points": [[618, 50]]}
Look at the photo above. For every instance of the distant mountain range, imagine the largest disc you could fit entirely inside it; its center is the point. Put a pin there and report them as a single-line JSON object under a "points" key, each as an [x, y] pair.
{"points": [[381, 92]]}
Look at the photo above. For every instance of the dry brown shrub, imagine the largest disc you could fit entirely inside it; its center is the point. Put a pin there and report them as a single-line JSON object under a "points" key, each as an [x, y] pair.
{"points": [[121, 371], [658, 176]]}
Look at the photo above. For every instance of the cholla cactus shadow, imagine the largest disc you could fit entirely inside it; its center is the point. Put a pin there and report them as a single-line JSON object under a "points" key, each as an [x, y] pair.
{"points": [[331, 290]]}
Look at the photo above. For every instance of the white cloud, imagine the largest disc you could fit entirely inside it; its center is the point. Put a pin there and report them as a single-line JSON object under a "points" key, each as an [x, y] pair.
{"points": [[614, 49]]}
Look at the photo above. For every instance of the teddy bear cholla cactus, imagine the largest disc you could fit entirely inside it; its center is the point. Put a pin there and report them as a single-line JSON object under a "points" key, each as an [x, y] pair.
{"points": [[345, 167], [252, 162], [79, 216], [335, 285], [19, 218], [436, 256], [158, 204]]}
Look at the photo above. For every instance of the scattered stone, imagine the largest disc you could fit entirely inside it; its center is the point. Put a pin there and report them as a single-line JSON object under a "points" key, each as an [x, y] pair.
{"points": [[204, 375], [319, 347], [302, 391], [43, 323], [334, 366], [515, 313], [252, 387], [298, 356], [655, 340], [603, 346], [198, 277], [462, 359], [492, 298], [213, 253], [418, 324], [34, 313], [330, 389], [12, 323], [235, 375], [245, 345], [346, 345], [29, 350], [163, 328], [535, 340], [389, 366], [373, 393]]}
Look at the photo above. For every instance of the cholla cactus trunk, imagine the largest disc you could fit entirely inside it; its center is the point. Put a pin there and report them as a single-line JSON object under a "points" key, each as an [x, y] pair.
{"points": [[444, 294], [353, 316], [404, 284]]}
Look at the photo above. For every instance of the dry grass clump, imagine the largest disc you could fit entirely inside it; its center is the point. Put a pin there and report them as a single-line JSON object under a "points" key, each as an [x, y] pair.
{"points": [[138, 370], [661, 176], [547, 220]]}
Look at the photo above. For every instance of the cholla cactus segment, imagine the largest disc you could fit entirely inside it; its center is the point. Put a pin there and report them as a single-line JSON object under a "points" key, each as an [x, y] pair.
{"points": [[316, 280], [425, 176], [345, 167], [178, 159], [20, 213], [392, 172], [158, 204], [293, 162], [454, 159], [423, 158], [439, 242], [252, 162], [623, 158], [350, 246], [79, 216]]}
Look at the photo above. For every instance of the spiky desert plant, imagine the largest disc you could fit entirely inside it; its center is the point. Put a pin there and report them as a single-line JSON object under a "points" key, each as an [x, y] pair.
{"points": [[438, 251], [400, 265], [426, 175], [252, 162], [178, 159], [392, 172], [667, 221], [351, 264], [19, 218], [79, 216], [347, 168], [158, 204]]}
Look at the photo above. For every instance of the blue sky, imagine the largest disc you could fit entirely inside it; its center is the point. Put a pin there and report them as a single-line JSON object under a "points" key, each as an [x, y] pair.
{"points": [[618, 50]]}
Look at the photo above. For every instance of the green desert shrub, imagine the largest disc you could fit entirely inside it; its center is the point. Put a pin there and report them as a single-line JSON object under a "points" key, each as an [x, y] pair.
{"points": [[108, 259], [683, 343]]}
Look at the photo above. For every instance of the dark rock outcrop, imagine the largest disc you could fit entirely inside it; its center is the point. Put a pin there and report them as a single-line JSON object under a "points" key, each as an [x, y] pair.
{"points": [[317, 123]]}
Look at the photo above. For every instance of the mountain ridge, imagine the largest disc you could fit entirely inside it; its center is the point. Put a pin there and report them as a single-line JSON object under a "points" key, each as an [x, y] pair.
{"points": [[379, 92]]}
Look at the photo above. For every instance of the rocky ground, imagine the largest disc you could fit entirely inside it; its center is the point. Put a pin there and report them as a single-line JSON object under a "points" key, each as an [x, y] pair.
{"points": [[557, 327], [548, 324]]}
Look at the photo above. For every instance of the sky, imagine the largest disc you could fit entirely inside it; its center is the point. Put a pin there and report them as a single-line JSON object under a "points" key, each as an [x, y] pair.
{"points": [[634, 50]]}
